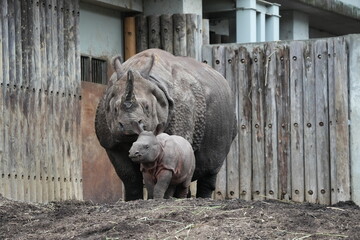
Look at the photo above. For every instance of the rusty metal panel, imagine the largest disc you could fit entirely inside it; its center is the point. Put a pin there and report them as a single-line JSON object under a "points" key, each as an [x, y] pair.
{"points": [[100, 182]]}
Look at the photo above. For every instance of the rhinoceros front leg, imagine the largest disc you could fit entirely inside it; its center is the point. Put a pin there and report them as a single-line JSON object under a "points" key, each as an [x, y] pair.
{"points": [[162, 184], [129, 173]]}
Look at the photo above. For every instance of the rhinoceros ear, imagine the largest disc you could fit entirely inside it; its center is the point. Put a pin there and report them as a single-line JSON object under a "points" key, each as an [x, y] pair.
{"points": [[116, 62], [145, 73], [159, 129]]}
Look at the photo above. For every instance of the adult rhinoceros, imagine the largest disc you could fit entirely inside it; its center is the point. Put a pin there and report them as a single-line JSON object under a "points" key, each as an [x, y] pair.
{"points": [[190, 98]]}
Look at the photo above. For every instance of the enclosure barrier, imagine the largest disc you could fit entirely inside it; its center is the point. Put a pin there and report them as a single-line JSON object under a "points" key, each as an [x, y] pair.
{"points": [[292, 106], [40, 144]]}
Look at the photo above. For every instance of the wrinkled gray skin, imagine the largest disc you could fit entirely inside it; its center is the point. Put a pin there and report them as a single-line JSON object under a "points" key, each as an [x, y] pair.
{"points": [[190, 98], [167, 162]]}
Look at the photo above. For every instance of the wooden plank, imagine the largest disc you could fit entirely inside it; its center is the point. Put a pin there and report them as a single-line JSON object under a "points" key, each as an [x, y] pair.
{"points": [[322, 120], [166, 33], [19, 115], [45, 51], [257, 99], [59, 105], [2, 164], [129, 38], [199, 42], [270, 120], [25, 97], [218, 62], [219, 65], [179, 28], [205, 32], [296, 116], [77, 104], [232, 160], [343, 186], [154, 31], [332, 121], [5, 81], [244, 122], [191, 35], [141, 33], [309, 124], [283, 122], [12, 110], [207, 55], [37, 83]]}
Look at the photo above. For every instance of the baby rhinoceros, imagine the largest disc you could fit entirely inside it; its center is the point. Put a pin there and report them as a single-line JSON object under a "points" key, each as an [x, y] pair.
{"points": [[167, 162]]}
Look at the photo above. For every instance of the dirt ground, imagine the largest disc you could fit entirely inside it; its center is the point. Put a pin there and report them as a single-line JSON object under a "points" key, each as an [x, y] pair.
{"points": [[178, 219]]}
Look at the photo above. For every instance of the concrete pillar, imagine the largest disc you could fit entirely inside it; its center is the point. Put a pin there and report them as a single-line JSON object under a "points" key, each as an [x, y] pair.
{"points": [[260, 27], [294, 25], [273, 23], [245, 21], [354, 86]]}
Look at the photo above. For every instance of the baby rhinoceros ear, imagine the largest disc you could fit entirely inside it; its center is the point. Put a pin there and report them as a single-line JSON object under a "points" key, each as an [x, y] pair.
{"points": [[159, 129]]}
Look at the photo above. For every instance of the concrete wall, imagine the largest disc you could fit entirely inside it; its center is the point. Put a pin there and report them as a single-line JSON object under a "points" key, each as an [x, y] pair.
{"points": [[101, 31]]}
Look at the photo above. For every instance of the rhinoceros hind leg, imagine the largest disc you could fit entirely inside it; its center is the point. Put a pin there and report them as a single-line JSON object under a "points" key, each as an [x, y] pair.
{"points": [[205, 186]]}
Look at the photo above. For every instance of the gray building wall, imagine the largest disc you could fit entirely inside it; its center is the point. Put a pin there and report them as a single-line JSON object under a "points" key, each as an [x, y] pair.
{"points": [[101, 31]]}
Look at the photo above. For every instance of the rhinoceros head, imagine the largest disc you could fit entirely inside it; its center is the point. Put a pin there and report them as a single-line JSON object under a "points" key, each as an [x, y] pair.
{"points": [[133, 98]]}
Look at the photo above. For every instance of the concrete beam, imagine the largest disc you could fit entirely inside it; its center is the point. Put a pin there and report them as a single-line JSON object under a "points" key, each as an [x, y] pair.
{"points": [[123, 5], [335, 6]]}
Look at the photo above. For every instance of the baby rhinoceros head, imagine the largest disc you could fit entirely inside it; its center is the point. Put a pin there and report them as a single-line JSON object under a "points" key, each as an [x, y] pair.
{"points": [[145, 149]]}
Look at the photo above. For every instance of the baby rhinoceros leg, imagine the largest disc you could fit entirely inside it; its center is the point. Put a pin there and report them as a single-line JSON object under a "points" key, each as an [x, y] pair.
{"points": [[162, 184]]}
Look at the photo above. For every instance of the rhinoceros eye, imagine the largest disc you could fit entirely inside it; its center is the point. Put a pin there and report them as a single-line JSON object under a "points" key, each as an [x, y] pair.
{"points": [[147, 146]]}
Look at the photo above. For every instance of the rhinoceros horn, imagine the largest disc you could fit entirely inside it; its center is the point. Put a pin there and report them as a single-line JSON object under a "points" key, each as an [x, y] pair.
{"points": [[129, 101]]}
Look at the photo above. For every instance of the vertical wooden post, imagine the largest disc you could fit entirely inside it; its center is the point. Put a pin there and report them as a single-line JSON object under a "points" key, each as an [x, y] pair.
{"points": [[191, 35], [179, 27], [322, 121], [270, 120], [219, 65], [341, 76], [257, 100], [141, 33], [166, 33], [205, 31], [154, 31], [232, 160], [245, 123], [130, 37], [310, 190], [283, 122], [296, 114]]}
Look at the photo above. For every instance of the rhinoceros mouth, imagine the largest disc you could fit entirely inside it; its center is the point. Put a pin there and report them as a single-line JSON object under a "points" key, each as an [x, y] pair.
{"points": [[136, 159]]}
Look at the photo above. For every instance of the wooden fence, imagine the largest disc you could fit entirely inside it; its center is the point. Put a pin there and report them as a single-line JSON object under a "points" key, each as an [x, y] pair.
{"points": [[293, 129], [179, 34], [40, 145]]}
